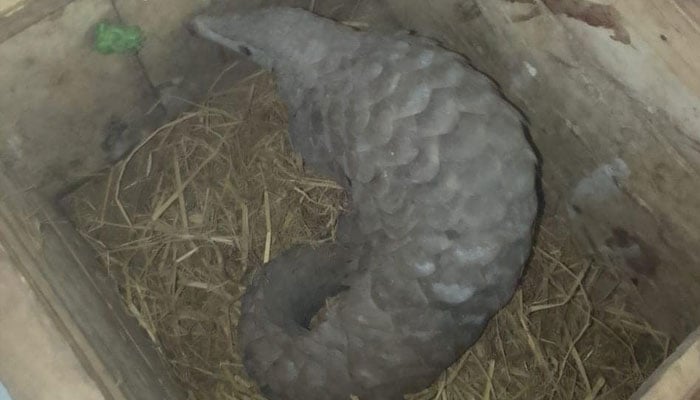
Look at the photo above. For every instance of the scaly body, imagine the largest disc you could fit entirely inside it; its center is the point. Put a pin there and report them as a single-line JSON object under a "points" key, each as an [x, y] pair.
{"points": [[442, 181]]}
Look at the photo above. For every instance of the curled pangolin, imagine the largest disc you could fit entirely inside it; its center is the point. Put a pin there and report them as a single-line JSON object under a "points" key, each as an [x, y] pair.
{"points": [[442, 180]]}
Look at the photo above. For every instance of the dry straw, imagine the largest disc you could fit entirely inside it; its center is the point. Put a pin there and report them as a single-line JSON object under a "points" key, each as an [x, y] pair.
{"points": [[183, 222]]}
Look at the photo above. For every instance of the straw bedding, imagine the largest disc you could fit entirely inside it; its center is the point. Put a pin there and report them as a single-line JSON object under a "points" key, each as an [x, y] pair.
{"points": [[183, 222]]}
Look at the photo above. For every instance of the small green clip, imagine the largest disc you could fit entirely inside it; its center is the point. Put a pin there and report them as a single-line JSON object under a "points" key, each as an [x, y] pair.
{"points": [[111, 38]]}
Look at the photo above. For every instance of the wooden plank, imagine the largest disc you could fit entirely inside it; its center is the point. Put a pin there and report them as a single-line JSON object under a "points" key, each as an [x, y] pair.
{"points": [[615, 113], [81, 299], [678, 378], [17, 15], [30, 348], [671, 29], [61, 94]]}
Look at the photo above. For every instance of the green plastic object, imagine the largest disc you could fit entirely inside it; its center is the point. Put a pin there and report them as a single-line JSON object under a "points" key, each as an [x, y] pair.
{"points": [[113, 38]]}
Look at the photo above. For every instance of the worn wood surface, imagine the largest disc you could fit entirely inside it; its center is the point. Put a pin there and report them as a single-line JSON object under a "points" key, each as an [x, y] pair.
{"points": [[611, 93], [81, 299], [30, 349], [65, 107], [678, 378], [16, 15]]}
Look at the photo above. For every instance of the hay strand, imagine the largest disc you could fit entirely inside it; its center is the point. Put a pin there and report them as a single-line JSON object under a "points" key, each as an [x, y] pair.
{"points": [[243, 196]]}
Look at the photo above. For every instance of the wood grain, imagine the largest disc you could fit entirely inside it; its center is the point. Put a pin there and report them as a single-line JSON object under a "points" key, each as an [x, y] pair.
{"points": [[678, 378], [17, 15], [671, 29], [81, 299], [617, 126]]}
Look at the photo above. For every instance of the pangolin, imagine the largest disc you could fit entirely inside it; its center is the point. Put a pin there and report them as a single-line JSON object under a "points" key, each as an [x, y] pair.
{"points": [[442, 179]]}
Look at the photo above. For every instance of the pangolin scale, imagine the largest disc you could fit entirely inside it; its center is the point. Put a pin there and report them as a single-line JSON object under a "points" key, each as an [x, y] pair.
{"points": [[442, 180]]}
